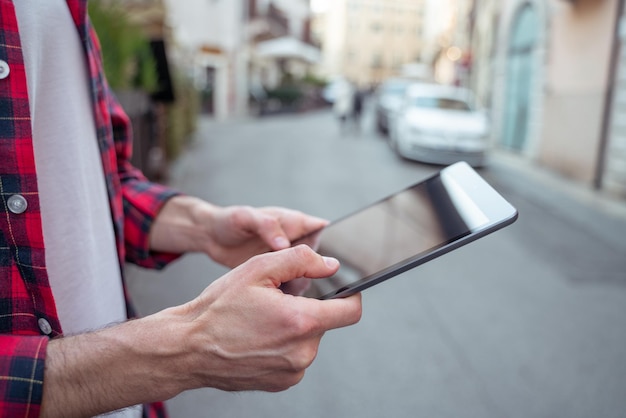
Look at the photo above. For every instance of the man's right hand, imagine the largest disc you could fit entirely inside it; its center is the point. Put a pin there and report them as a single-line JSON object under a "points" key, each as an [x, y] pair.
{"points": [[241, 333], [249, 335]]}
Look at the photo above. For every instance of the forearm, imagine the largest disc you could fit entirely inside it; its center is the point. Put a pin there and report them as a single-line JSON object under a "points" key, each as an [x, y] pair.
{"points": [[132, 363]]}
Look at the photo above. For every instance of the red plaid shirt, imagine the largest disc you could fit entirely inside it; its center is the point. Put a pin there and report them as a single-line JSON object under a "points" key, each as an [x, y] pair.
{"points": [[28, 316]]}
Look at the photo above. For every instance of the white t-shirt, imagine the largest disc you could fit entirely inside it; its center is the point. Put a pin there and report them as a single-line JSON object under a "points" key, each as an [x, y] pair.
{"points": [[81, 255]]}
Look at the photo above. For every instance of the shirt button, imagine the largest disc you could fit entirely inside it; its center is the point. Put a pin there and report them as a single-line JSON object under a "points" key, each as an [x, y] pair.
{"points": [[17, 204], [44, 326], [4, 69]]}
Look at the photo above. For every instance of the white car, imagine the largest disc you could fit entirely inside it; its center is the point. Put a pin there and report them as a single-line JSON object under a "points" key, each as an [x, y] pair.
{"points": [[440, 125], [387, 100]]}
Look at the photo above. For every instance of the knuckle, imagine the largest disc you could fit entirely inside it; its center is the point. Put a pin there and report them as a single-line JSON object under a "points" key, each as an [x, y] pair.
{"points": [[355, 310], [296, 378], [357, 314], [303, 355], [302, 251], [286, 381], [299, 361], [308, 355], [260, 262], [265, 221], [302, 325], [269, 222], [239, 215]]}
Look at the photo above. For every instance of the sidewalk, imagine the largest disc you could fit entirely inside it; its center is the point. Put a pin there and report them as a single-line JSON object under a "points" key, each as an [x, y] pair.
{"points": [[596, 209]]}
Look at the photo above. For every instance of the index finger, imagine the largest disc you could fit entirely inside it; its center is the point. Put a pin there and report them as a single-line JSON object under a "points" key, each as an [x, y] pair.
{"points": [[292, 224]]}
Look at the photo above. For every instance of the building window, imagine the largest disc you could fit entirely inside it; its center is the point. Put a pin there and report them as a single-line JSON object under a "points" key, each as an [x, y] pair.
{"points": [[377, 61], [376, 27]]}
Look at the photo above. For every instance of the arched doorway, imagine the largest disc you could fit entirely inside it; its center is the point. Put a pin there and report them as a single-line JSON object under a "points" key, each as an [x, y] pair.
{"points": [[520, 73]]}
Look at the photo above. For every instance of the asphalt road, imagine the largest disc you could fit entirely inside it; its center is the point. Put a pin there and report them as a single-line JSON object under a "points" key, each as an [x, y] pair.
{"points": [[527, 322]]}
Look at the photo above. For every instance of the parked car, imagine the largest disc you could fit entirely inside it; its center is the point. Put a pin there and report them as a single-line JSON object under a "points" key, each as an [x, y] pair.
{"points": [[387, 100], [440, 125]]}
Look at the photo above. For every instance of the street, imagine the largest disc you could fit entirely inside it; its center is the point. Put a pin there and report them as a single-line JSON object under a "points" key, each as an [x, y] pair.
{"points": [[527, 322]]}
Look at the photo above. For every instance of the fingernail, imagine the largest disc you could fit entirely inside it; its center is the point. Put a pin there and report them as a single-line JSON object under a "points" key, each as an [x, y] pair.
{"points": [[281, 242], [331, 262]]}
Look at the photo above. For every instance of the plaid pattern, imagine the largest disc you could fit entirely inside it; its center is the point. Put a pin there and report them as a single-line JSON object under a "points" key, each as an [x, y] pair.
{"points": [[25, 294], [22, 375]]}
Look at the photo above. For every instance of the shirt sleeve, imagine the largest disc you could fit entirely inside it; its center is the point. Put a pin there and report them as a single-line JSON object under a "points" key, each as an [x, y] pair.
{"points": [[21, 375], [142, 199]]}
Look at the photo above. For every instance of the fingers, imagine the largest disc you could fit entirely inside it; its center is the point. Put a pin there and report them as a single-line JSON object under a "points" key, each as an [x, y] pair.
{"points": [[278, 226], [300, 261], [312, 223], [271, 232], [263, 225]]}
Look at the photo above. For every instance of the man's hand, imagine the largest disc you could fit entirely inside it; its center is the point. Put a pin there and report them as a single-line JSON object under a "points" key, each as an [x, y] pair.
{"points": [[241, 333], [249, 335], [229, 235]]}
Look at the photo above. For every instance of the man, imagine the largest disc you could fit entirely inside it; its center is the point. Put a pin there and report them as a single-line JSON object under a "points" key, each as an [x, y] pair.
{"points": [[344, 102], [73, 211]]}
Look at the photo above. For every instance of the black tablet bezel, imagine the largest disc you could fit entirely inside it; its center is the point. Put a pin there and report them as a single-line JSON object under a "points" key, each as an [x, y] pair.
{"points": [[471, 191]]}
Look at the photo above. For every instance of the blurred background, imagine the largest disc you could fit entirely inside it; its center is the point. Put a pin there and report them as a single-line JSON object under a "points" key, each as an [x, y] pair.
{"points": [[325, 106]]}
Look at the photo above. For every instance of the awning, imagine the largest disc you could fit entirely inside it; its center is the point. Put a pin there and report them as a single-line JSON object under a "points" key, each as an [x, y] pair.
{"points": [[288, 47]]}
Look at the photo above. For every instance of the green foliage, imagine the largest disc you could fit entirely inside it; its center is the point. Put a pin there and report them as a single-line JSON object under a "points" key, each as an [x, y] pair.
{"points": [[128, 61], [286, 94], [314, 81], [182, 115], [129, 65]]}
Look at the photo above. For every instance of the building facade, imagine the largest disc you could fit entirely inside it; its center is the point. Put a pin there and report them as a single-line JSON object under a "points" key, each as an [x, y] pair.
{"points": [[368, 41], [450, 44], [229, 46], [552, 75], [280, 42], [209, 42], [611, 169]]}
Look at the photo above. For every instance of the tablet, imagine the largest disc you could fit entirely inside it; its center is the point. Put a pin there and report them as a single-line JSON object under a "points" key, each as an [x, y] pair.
{"points": [[424, 221]]}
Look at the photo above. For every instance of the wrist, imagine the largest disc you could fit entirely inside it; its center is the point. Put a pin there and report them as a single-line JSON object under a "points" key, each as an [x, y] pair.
{"points": [[165, 344], [181, 225]]}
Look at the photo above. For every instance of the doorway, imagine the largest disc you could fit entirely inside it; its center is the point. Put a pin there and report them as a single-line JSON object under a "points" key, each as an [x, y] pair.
{"points": [[520, 74]]}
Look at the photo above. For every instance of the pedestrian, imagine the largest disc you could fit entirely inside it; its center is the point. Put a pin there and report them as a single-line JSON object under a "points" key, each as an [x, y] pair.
{"points": [[357, 108], [343, 105], [74, 210]]}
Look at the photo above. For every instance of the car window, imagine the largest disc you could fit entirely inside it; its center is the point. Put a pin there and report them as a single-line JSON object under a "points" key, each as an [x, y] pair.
{"points": [[395, 88], [441, 103]]}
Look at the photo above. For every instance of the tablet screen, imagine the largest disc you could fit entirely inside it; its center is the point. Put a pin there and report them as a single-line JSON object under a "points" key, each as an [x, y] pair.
{"points": [[400, 228]]}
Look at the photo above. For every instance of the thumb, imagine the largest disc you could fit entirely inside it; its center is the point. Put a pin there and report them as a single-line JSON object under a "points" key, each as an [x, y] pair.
{"points": [[296, 262]]}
